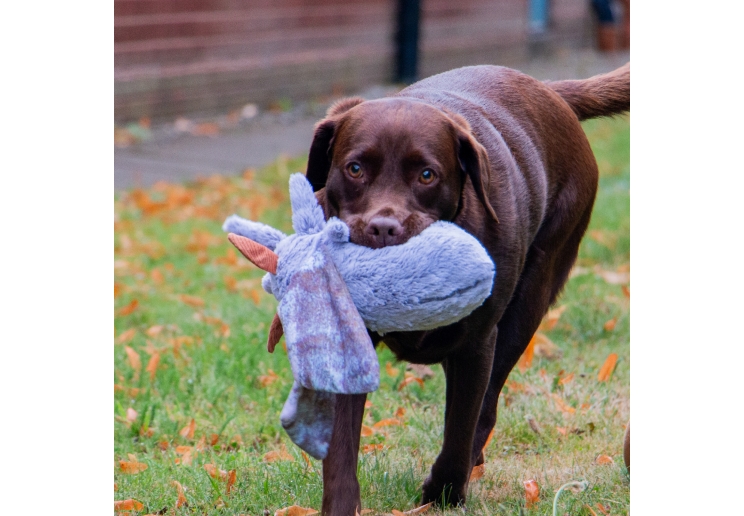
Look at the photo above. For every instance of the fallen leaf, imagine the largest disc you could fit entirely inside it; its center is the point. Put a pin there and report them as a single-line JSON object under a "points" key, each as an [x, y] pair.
{"points": [[156, 276], [612, 277], [477, 472], [421, 370], [183, 450], [134, 358], [391, 371], [154, 331], [410, 378], [131, 307], [117, 289], [306, 459], [268, 379], [231, 477], [365, 511], [591, 511], [417, 510], [552, 317], [610, 325], [213, 438], [626, 291], [367, 431], [566, 379], [367, 405], [131, 467], [131, 414], [230, 283], [605, 372], [525, 361], [295, 510], [400, 412], [488, 439], [187, 432], [181, 495], [215, 472], [561, 405], [387, 422], [278, 455], [152, 365], [128, 505], [604, 509], [561, 430], [369, 448], [544, 347], [531, 492], [194, 301], [126, 336], [255, 297], [604, 459]]}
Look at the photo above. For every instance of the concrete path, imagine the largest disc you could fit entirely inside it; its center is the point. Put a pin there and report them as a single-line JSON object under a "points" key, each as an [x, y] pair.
{"points": [[173, 154]]}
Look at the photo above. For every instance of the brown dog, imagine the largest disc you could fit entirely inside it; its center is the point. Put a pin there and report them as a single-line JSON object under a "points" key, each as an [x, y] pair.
{"points": [[503, 156]]}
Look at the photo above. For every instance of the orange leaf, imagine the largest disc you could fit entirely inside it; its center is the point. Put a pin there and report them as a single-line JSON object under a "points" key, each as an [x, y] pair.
{"points": [[400, 412], [369, 448], [607, 368], [187, 432], [551, 318], [126, 336], [214, 472], [194, 301], [410, 378], [132, 467], [255, 297], [604, 459], [604, 509], [488, 439], [268, 379], [131, 307], [181, 495], [134, 358], [278, 455], [561, 405], [131, 414], [387, 422], [295, 510], [367, 404], [478, 472], [213, 438], [183, 450], [531, 492], [117, 289], [626, 291], [367, 431], [306, 459], [561, 430], [154, 331], [231, 477], [156, 276], [566, 379], [610, 325], [417, 510], [391, 371], [525, 361], [152, 365], [591, 511], [128, 505]]}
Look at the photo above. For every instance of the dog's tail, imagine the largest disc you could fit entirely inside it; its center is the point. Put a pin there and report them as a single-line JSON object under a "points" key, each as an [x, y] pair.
{"points": [[601, 95]]}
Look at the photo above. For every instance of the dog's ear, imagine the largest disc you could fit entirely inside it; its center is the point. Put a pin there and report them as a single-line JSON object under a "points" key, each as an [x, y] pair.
{"points": [[473, 160], [319, 159]]}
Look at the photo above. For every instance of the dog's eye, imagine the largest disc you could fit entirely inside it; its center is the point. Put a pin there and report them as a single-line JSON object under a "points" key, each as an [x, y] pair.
{"points": [[354, 170], [427, 176]]}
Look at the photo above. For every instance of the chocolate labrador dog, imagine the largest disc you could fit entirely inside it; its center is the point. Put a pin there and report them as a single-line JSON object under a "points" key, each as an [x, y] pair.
{"points": [[503, 156]]}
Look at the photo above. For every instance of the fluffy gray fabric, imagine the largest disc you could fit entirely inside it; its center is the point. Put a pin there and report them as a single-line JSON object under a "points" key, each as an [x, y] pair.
{"points": [[330, 289]]}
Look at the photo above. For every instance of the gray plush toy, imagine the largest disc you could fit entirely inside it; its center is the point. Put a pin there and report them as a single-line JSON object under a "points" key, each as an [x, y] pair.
{"points": [[330, 291]]}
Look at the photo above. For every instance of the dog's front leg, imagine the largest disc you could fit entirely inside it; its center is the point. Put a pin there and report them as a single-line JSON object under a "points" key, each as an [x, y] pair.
{"points": [[467, 378], [341, 495]]}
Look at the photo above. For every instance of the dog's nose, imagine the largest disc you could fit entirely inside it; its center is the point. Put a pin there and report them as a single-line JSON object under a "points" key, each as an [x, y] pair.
{"points": [[385, 231]]}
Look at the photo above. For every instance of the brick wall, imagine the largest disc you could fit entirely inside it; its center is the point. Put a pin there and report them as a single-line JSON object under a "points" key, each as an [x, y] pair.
{"points": [[174, 57]]}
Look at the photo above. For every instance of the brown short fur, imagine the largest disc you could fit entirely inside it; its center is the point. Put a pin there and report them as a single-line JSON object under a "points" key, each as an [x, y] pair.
{"points": [[508, 161]]}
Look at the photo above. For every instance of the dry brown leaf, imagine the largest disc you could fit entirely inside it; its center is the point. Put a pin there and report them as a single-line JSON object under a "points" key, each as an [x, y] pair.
{"points": [[387, 422], [268, 379], [604, 459], [409, 380], [591, 511], [531, 492], [552, 317], [152, 365], [156, 276], [400, 412], [566, 379], [128, 505], [610, 325], [131, 307], [134, 358], [626, 291], [117, 289], [231, 477], [295, 510], [525, 361], [278, 455], [562, 430], [213, 438], [215, 472], [194, 301], [417, 510], [369, 448], [477, 472], [306, 459], [561, 405], [154, 331], [604, 509], [187, 432], [131, 467], [605, 372], [420, 370], [131, 414], [365, 511], [183, 450], [186, 459], [544, 347], [126, 336], [367, 405], [391, 371], [613, 277], [255, 296], [488, 439], [367, 431], [181, 495]]}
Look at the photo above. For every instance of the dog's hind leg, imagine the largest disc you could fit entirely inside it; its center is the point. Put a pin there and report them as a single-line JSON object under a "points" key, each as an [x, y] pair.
{"points": [[341, 495]]}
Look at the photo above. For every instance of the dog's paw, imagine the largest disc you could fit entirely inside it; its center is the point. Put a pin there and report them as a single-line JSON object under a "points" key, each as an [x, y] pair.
{"points": [[443, 494]]}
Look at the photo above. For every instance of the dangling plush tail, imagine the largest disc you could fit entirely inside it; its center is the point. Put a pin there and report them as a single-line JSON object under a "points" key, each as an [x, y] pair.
{"points": [[601, 95]]}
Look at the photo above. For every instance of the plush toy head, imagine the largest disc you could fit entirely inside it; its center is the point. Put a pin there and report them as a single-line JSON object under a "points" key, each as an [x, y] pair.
{"points": [[330, 291]]}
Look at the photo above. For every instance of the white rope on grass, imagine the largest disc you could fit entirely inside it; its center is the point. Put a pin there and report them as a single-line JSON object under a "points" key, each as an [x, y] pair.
{"points": [[580, 486]]}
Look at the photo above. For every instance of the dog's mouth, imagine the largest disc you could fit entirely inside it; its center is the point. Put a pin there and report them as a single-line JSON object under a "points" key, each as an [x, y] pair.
{"points": [[364, 231]]}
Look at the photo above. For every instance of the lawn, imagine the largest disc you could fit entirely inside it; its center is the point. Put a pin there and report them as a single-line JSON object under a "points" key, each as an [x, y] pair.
{"points": [[197, 396]]}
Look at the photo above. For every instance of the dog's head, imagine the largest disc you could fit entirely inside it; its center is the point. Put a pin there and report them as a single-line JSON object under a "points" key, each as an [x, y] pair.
{"points": [[391, 167]]}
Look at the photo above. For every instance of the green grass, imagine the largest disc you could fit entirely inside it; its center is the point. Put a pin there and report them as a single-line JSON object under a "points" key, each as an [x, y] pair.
{"points": [[168, 242]]}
